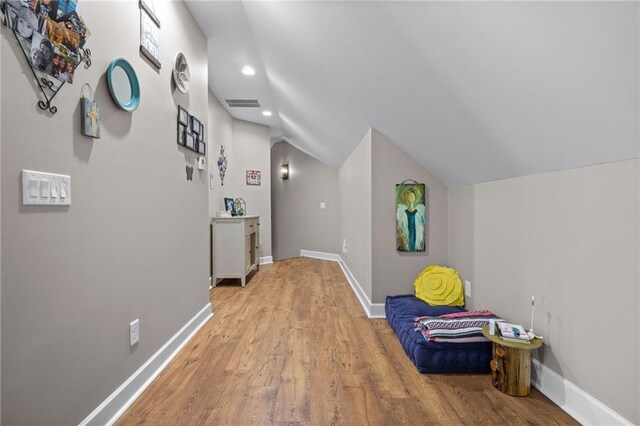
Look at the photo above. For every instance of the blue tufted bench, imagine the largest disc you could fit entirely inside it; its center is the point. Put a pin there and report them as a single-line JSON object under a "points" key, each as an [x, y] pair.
{"points": [[433, 357]]}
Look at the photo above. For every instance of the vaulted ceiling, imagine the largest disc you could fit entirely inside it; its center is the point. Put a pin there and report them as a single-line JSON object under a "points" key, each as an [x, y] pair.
{"points": [[473, 91]]}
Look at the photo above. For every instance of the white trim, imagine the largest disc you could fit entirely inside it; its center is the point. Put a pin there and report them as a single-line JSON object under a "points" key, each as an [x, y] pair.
{"points": [[357, 289], [265, 260], [117, 403], [377, 311], [320, 255], [373, 310], [576, 402]]}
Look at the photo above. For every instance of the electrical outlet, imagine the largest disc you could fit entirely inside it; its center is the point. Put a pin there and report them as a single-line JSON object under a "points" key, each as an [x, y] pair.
{"points": [[323, 205], [467, 288], [134, 332]]}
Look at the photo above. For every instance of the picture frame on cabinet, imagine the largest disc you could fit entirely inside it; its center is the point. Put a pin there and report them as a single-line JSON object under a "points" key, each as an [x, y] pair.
{"points": [[229, 206]]}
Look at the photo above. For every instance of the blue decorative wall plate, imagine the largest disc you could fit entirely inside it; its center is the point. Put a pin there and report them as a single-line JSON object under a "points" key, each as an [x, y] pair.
{"points": [[123, 84]]}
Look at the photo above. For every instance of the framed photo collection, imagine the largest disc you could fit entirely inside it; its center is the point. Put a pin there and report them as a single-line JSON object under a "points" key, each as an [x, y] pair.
{"points": [[190, 132]]}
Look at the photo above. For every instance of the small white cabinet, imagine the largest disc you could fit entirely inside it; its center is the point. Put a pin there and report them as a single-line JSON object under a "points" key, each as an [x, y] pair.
{"points": [[234, 247]]}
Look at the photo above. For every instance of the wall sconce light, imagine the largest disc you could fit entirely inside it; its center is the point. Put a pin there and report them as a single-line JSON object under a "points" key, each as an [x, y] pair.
{"points": [[284, 171]]}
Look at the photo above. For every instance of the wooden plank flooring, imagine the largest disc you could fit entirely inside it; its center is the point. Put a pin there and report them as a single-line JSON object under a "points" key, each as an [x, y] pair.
{"points": [[295, 347]]}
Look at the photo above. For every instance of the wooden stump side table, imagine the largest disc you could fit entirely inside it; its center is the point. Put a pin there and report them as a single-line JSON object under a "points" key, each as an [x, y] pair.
{"points": [[511, 364]]}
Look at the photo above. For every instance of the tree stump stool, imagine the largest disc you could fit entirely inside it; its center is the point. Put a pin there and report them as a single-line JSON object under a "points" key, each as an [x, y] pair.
{"points": [[511, 364]]}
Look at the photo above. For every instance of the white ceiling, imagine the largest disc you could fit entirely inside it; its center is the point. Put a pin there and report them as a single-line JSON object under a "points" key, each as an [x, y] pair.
{"points": [[474, 91]]}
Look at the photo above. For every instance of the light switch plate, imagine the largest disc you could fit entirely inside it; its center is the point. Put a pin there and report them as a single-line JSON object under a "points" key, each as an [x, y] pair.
{"points": [[467, 288], [323, 205], [38, 189], [134, 332]]}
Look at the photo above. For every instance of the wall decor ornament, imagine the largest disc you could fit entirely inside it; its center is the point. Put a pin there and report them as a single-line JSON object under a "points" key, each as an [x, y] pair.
{"points": [[222, 164], [149, 34], [52, 37], [181, 73], [123, 84], [410, 217], [240, 207], [89, 114], [254, 177], [190, 132], [189, 173]]}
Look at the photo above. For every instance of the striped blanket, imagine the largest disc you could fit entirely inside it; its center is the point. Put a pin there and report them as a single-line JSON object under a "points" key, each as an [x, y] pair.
{"points": [[459, 327]]}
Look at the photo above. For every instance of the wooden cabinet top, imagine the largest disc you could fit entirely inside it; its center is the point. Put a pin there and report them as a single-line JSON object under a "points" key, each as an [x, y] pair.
{"points": [[233, 218]]}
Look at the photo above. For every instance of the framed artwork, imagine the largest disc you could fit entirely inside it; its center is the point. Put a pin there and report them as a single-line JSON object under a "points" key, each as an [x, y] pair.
{"points": [[411, 217], [202, 148], [183, 116], [149, 34], [182, 130], [190, 141], [196, 126], [228, 206], [253, 177]]}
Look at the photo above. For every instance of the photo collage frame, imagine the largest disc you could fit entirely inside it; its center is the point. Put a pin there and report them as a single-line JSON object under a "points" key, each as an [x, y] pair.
{"points": [[53, 34], [191, 132]]}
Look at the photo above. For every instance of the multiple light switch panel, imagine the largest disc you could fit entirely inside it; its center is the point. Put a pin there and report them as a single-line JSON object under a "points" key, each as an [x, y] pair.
{"points": [[45, 189]]}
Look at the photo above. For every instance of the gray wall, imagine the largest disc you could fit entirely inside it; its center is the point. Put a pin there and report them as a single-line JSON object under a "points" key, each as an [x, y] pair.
{"points": [[247, 147], [298, 221], [571, 239], [394, 272], [133, 244], [220, 132], [354, 191], [1, 55]]}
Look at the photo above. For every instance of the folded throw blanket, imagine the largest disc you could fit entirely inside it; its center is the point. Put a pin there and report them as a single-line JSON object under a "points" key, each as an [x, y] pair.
{"points": [[459, 327]]}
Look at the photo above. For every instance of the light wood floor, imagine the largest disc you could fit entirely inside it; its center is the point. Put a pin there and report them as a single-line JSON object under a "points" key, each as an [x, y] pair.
{"points": [[295, 347]]}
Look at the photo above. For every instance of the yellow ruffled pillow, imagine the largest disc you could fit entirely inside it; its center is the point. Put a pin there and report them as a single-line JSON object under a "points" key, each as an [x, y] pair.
{"points": [[439, 285]]}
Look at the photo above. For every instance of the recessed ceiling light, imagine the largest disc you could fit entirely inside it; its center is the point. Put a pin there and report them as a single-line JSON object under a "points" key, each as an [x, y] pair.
{"points": [[266, 113], [247, 70]]}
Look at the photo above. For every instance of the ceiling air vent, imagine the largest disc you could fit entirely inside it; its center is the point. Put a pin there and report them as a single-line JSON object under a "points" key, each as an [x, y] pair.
{"points": [[243, 103]]}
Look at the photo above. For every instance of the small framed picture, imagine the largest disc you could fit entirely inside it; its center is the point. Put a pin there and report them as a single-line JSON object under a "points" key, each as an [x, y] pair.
{"points": [[196, 125], [183, 116], [182, 130], [201, 132], [254, 177], [202, 148], [190, 141], [228, 206], [149, 34]]}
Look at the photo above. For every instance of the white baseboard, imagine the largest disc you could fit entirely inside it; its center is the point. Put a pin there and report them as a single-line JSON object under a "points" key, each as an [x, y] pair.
{"points": [[377, 311], [577, 403], [117, 403], [320, 255], [373, 310], [266, 260]]}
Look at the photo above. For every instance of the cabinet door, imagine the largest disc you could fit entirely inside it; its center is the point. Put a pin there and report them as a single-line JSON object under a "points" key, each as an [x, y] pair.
{"points": [[247, 252]]}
